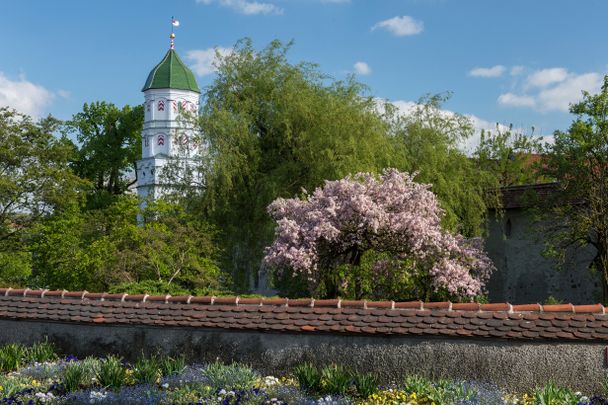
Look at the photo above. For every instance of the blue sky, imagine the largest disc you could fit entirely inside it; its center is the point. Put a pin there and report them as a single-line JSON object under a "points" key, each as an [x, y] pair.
{"points": [[518, 62]]}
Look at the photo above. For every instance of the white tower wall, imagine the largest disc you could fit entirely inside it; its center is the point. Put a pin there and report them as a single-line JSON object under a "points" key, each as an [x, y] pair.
{"points": [[168, 138]]}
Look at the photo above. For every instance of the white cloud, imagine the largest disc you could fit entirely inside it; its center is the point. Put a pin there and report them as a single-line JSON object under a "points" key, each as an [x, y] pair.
{"points": [[469, 145], [400, 26], [568, 91], [517, 70], [246, 7], [204, 60], [514, 100], [24, 96], [552, 89], [545, 77], [494, 71], [362, 68]]}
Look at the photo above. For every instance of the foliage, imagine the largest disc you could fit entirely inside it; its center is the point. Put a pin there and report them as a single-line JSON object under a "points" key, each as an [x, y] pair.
{"points": [[12, 356], [111, 372], [109, 144], [551, 394], [11, 385], [41, 352], [510, 155], [273, 128], [391, 214], [230, 377], [430, 141], [309, 377], [171, 365], [35, 182], [97, 249], [576, 215], [15, 266], [74, 376], [366, 384], [336, 379], [146, 370], [426, 391]]}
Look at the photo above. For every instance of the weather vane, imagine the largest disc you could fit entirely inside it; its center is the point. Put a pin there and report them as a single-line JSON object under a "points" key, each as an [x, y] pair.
{"points": [[174, 23]]}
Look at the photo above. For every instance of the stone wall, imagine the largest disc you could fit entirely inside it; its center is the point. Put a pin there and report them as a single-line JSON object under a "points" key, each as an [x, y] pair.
{"points": [[516, 245], [513, 365]]}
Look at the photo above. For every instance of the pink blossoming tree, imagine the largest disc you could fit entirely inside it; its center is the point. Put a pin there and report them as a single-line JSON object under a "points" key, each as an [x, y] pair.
{"points": [[383, 232]]}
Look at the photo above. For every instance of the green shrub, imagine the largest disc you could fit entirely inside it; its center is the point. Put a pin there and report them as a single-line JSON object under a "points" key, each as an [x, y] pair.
{"points": [[420, 385], [12, 357], [171, 365], [146, 370], [308, 377], [111, 373], [91, 367], [336, 379], [551, 394], [74, 376], [41, 352], [366, 384], [230, 377]]}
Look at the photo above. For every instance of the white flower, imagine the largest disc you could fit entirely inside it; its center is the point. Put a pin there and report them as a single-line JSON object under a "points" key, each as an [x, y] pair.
{"points": [[222, 392], [269, 381], [165, 385]]}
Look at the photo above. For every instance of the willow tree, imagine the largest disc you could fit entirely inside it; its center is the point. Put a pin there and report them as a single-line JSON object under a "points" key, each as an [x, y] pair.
{"points": [[272, 129]]}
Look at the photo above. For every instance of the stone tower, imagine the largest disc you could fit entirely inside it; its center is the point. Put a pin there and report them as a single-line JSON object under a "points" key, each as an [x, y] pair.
{"points": [[167, 138]]}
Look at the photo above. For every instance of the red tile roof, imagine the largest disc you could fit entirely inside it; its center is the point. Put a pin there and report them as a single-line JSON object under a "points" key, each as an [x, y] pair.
{"points": [[500, 320], [519, 196]]}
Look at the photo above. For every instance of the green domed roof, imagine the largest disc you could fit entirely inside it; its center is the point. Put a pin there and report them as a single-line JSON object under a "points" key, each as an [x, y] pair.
{"points": [[171, 73]]}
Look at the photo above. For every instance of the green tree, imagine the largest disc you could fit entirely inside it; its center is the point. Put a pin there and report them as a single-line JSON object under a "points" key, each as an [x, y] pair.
{"points": [[510, 155], [429, 142], [273, 128], [35, 182], [109, 144], [576, 215], [100, 248]]}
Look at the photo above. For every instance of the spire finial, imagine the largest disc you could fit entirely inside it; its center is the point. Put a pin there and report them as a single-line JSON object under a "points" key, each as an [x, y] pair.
{"points": [[174, 23]]}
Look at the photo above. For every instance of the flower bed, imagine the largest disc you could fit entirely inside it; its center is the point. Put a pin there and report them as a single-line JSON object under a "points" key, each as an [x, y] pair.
{"points": [[37, 375]]}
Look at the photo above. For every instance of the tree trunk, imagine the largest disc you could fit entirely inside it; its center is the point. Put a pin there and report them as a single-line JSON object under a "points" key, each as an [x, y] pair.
{"points": [[356, 262]]}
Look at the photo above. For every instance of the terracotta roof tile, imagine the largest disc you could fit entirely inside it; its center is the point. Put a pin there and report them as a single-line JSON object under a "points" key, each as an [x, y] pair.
{"points": [[497, 321]]}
